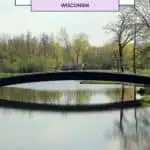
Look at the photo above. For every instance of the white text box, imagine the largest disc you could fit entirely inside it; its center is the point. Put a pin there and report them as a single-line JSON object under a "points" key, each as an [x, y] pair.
{"points": [[23, 2], [127, 2]]}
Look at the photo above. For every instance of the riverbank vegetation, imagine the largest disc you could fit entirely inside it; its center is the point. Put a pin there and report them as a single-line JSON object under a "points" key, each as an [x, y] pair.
{"points": [[128, 51], [26, 54]]}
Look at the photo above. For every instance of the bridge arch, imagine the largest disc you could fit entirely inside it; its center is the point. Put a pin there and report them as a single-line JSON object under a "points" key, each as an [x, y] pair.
{"points": [[75, 75]]}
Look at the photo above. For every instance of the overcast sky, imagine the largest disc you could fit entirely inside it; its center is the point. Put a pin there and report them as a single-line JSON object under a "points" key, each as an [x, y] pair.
{"points": [[19, 19]]}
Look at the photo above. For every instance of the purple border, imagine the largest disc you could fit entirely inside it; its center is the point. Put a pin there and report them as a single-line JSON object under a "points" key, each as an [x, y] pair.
{"points": [[49, 6]]}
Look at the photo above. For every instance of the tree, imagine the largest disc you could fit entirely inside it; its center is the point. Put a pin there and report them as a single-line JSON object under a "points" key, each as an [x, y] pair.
{"points": [[145, 56], [112, 54], [122, 33], [67, 45], [80, 45], [141, 13], [56, 54]]}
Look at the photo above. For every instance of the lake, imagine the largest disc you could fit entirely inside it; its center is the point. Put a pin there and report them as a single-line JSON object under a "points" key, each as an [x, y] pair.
{"points": [[29, 130]]}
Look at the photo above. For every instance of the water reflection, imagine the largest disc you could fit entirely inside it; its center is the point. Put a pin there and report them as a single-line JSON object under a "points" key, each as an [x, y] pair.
{"points": [[77, 96], [133, 135], [124, 93], [57, 97], [40, 130], [132, 130]]}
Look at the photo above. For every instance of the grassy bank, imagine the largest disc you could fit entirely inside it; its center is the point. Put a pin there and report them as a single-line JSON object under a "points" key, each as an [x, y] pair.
{"points": [[2, 75], [144, 72], [5, 75], [99, 82], [108, 82]]}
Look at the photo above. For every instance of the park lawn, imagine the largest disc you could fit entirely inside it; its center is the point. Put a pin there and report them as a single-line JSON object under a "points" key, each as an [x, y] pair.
{"points": [[5, 75], [144, 72], [2, 75]]}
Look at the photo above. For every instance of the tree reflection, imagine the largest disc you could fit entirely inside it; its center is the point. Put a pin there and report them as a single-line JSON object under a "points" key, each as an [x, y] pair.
{"points": [[135, 112], [133, 130], [38, 96], [28, 95], [123, 93], [57, 97]]}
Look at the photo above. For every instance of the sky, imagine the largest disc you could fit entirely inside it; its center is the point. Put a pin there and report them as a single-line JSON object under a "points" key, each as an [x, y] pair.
{"points": [[19, 19]]}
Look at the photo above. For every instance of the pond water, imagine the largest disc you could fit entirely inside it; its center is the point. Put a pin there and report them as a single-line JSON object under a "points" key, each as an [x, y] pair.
{"points": [[28, 130]]}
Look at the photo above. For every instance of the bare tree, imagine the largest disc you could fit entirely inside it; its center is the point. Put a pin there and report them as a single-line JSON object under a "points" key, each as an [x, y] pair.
{"points": [[141, 13], [123, 33]]}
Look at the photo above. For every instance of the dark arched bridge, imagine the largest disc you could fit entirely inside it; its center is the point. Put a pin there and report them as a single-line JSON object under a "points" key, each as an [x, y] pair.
{"points": [[85, 75], [76, 75]]}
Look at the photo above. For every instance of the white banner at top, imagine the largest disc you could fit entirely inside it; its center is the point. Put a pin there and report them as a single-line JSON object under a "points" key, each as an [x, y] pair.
{"points": [[28, 2]]}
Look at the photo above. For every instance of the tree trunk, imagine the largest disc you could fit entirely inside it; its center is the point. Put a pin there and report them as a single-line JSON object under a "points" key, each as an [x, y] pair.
{"points": [[134, 51], [121, 57]]}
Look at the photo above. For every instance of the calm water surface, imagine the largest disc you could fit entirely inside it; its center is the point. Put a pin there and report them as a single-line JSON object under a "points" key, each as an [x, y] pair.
{"points": [[71, 131]]}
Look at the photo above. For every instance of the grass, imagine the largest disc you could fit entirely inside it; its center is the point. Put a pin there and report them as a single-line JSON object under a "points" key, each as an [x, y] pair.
{"points": [[99, 82], [108, 82], [2, 75], [146, 97], [5, 75], [144, 72]]}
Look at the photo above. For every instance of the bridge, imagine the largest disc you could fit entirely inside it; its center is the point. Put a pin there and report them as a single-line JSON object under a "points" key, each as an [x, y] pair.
{"points": [[76, 75]]}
